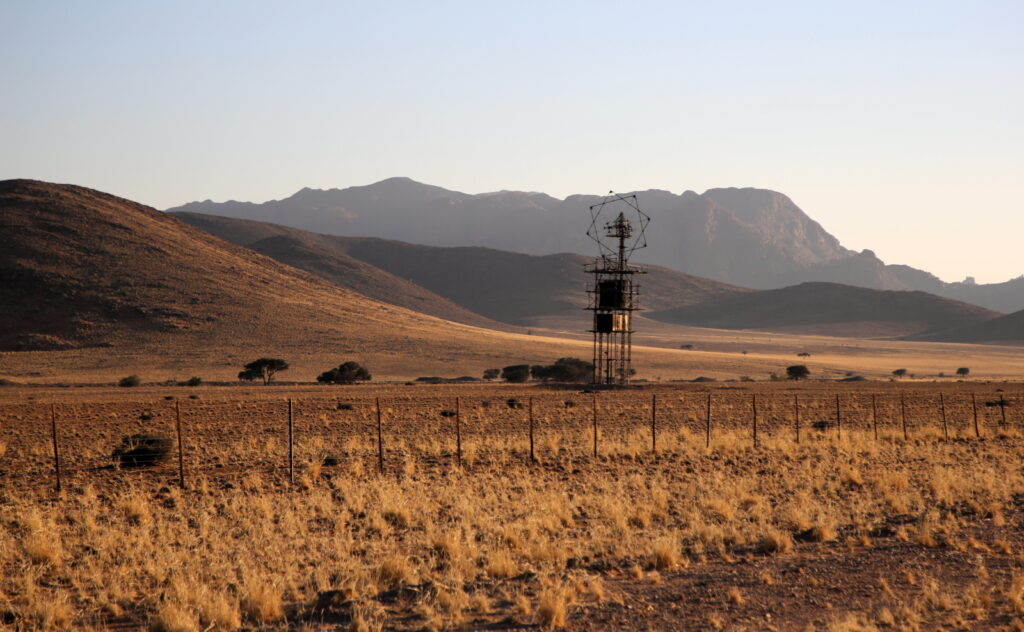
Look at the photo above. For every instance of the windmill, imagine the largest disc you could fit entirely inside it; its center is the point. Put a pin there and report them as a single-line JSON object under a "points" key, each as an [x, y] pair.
{"points": [[618, 226]]}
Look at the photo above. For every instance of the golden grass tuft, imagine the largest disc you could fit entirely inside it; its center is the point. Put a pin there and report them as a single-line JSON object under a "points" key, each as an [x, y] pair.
{"points": [[553, 608], [773, 542], [261, 603]]}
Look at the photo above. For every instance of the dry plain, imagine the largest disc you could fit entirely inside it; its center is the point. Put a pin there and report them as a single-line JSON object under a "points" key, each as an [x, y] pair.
{"points": [[839, 531]]}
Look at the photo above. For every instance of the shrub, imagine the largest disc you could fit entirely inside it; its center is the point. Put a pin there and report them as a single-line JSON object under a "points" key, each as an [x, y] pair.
{"points": [[797, 372], [195, 380], [516, 373], [344, 406], [899, 372], [345, 373], [129, 381], [963, 371], [514, 403], [139, 450], [564, 370], [491, 374]]}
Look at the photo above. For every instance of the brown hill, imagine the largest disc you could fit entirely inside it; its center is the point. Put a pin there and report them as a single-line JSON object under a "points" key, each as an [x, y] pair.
{"points": [[503, 286], [832, 309], [1008, 329], [84, 269]]}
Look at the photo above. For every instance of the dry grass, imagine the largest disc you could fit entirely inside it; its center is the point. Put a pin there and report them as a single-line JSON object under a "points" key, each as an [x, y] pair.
{"points": [[540, 544]]}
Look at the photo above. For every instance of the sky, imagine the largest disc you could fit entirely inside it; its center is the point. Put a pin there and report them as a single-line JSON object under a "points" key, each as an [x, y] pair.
{"points": [[896, 125]]}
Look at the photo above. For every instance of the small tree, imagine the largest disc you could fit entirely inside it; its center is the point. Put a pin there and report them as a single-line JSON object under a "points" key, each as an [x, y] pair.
{"points": [[516, 373], [797, 372], [899, 373], [345, 373], [963, 371], [264, 368], [491, 374]]}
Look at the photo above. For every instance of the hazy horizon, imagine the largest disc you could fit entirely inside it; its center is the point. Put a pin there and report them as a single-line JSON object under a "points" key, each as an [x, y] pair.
{"points": [[896, 127]]}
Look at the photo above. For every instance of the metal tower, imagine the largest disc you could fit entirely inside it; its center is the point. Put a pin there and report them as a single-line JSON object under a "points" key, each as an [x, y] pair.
{"points": [[618, 226]]}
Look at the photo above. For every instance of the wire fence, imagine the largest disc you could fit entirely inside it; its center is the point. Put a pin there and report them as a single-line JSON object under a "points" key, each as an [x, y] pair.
{"points": [[58, 444]]}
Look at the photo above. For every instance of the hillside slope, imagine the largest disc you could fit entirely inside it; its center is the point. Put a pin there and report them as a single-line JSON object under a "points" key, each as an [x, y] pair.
{"points": [[838, 310], [1008, 329], [504, 286], [85, 269]]}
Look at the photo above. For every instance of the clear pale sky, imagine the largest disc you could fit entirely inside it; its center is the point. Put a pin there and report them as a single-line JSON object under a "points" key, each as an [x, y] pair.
{"points": [[897, 125]]}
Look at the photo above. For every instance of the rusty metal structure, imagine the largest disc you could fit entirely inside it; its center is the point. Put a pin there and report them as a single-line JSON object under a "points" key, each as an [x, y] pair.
{"points": [[618, 226]]}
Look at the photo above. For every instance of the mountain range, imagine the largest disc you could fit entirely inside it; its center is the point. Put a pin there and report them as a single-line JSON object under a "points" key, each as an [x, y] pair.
{"points": [[745, 237], [507, 287], [531, 290]]}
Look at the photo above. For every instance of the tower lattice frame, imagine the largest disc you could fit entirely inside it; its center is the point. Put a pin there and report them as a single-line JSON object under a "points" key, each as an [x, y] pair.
{"points": [[619, 228]]}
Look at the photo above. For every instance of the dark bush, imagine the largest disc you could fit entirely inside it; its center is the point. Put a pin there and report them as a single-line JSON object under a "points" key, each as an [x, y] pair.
{"points": [[491, 374], [195, 380], [512, 402], [131, 380], [797, 372], [447, 413], [344, 406], [516, 373], [140, 450], [345, 373], [331, 461]]}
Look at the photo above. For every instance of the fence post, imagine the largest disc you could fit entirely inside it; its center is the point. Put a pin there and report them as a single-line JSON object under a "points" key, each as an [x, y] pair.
{"points": [[874, 414], [1002, 411], [291, 443], [595, 425], [942, 406], [974, 407], [839, 420], [707, 424], [533, 459], [380, 441], [903, 414], [753, 410], [796, 414], [458, 430], [654, 422], [181, 446], [56, 451]]}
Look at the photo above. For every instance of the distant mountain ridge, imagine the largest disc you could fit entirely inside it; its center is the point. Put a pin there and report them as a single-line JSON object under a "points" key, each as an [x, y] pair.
{"points": [[532, 290], [741, 236]]}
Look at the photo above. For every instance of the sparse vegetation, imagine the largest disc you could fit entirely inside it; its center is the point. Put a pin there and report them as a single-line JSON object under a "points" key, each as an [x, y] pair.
{"points": [[129, 381], [564, 542]]}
